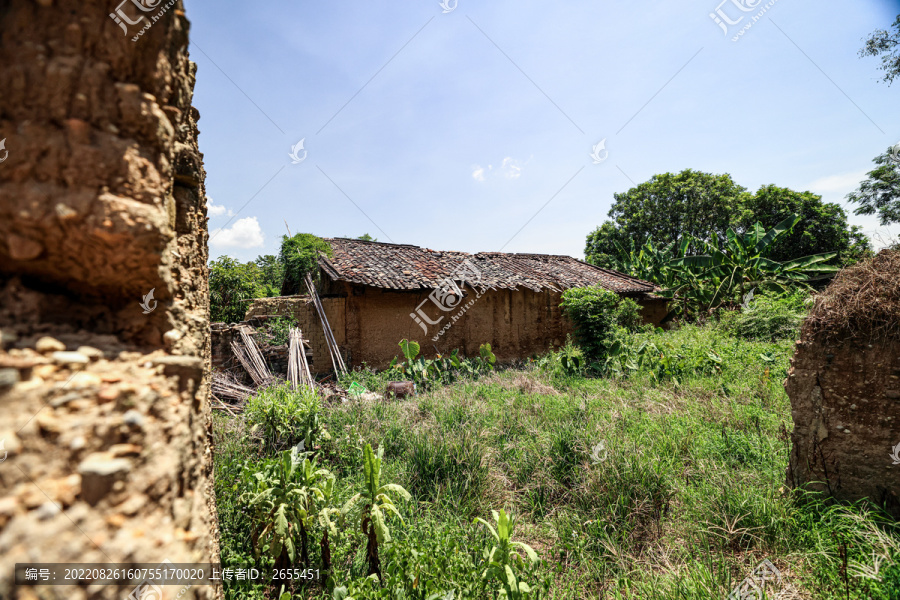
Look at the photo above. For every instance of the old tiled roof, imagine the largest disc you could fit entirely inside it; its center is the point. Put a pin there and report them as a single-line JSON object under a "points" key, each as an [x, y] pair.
{"points": [[406, 267]]}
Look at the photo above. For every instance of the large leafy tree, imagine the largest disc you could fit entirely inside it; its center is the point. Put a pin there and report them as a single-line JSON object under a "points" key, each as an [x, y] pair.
{"points": [[300, 255], [272, 274], [668, 208], [822, 227], [879, 193], [885, 44], [230, 283]]}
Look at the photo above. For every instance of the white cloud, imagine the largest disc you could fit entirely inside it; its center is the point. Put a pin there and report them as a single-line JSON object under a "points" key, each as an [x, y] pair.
{"points": [[478, 173], [245, 233], [511, 168], [217, 210]]}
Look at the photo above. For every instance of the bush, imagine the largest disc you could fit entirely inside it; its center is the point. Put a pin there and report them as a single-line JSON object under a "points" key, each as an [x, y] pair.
{"points": [[282, 417], [768, 317], [300, 255], [597, 313], [277, 330]]}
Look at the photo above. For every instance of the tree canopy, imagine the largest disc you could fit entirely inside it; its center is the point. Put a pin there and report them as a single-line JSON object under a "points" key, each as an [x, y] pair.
{"points": [[667, 208], [879, 193], [886, 45], [696, 206]]}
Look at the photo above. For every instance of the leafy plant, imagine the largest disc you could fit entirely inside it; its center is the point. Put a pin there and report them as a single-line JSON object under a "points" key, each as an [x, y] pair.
{"points": [[376, 506], [282, 503], [596, 314], [442, 369], [278, 328], [503, 559], [300, 255], [283, 417]]}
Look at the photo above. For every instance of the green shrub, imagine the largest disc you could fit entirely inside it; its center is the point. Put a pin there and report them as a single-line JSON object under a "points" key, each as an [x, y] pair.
{"points": [[768, 317], [596, 313], [300, 255], [277, 330], [282, 417]]}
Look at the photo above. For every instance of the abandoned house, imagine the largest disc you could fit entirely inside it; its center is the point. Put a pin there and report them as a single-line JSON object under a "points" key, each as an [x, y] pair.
{"points": [[376, 294]]}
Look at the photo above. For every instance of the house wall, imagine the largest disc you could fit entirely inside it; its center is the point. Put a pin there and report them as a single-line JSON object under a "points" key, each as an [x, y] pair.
{"points": [[368, 323]]}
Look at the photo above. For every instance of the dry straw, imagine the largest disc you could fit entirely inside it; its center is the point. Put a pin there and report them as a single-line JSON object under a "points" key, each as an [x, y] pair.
{"points": [[863, 302]]}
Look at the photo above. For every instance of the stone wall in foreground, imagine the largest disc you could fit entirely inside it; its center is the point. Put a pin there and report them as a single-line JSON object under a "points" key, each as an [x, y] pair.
{"points": [[105, 424]]}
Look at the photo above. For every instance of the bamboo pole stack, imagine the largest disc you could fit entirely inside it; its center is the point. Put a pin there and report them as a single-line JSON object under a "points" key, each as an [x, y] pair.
{"points": [[336, 359], [227, 387], [250, 357], [298, 368]]}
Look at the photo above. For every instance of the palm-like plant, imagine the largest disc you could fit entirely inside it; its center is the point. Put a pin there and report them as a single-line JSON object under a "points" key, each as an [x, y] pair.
{"points": [[376, 506], [504, 557], [736, 264], [282, 502]]}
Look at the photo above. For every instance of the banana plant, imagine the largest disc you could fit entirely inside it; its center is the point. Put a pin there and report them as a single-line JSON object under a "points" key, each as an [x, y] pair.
{"points": [[737, 263], [503, 559], [377, 505], [281, 503]]}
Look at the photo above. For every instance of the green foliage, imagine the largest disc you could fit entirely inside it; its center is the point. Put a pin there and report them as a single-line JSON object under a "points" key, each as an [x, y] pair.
{"points": [[885, 44], [440, 370], [376, 505], [879, 193], [667, 209], [277, 330], [768, 317], [231, 282], [822, 226], [568, 361], [504, 559], [300, 255], [282, 504], [596, 314], [454, 472], [692, 206], [280, 417]]}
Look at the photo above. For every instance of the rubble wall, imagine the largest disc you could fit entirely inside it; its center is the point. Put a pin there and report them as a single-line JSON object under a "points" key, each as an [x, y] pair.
{"points": [[105, 402]]}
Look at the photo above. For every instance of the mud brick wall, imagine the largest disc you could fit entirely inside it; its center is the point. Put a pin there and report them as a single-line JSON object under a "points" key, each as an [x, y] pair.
{"points": [[845, 403], [105, 405], [301, 309]]}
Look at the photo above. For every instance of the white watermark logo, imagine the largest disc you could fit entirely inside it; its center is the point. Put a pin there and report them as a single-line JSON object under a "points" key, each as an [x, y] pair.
{"points": [[296, 159], [765, 575], [598, 452], [449, 5], [145, 6], [724, 20], [146, 303], [5, 151], [150, 591], [599, 152], [448, 296], [748, 297], [895, 455], [3, 449]]}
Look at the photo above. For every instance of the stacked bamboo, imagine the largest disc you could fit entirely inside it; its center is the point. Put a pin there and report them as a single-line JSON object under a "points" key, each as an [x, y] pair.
{"points": [[252, 360], [225, 386], [336, 359], [298, 368]]}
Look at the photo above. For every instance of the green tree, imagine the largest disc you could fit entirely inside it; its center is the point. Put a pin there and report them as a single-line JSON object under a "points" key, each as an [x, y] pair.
{"points": [[879, 193], [367, 238], [668, 208], [272, 274], [300, 255], [822, 226], [885, 44], [231, 282]]}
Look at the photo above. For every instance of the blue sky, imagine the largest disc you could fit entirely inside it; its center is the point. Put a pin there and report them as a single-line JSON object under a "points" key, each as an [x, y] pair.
{"points": [[473, 129]]}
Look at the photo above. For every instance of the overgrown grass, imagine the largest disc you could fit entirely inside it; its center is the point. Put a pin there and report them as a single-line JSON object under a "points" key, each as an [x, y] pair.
{"points": [[637, 487]]}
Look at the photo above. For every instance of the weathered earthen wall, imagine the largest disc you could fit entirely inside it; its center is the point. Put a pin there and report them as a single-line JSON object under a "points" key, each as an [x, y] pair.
{"points": [[106, 420], [368, 323], [845, 403]]}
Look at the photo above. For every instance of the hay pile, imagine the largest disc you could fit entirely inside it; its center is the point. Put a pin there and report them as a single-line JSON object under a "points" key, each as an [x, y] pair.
{"points": [[863, 301]]}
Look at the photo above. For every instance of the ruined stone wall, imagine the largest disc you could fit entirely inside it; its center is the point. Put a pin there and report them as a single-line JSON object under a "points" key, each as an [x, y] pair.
{"points": [[844, 386], [105, 403]]}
